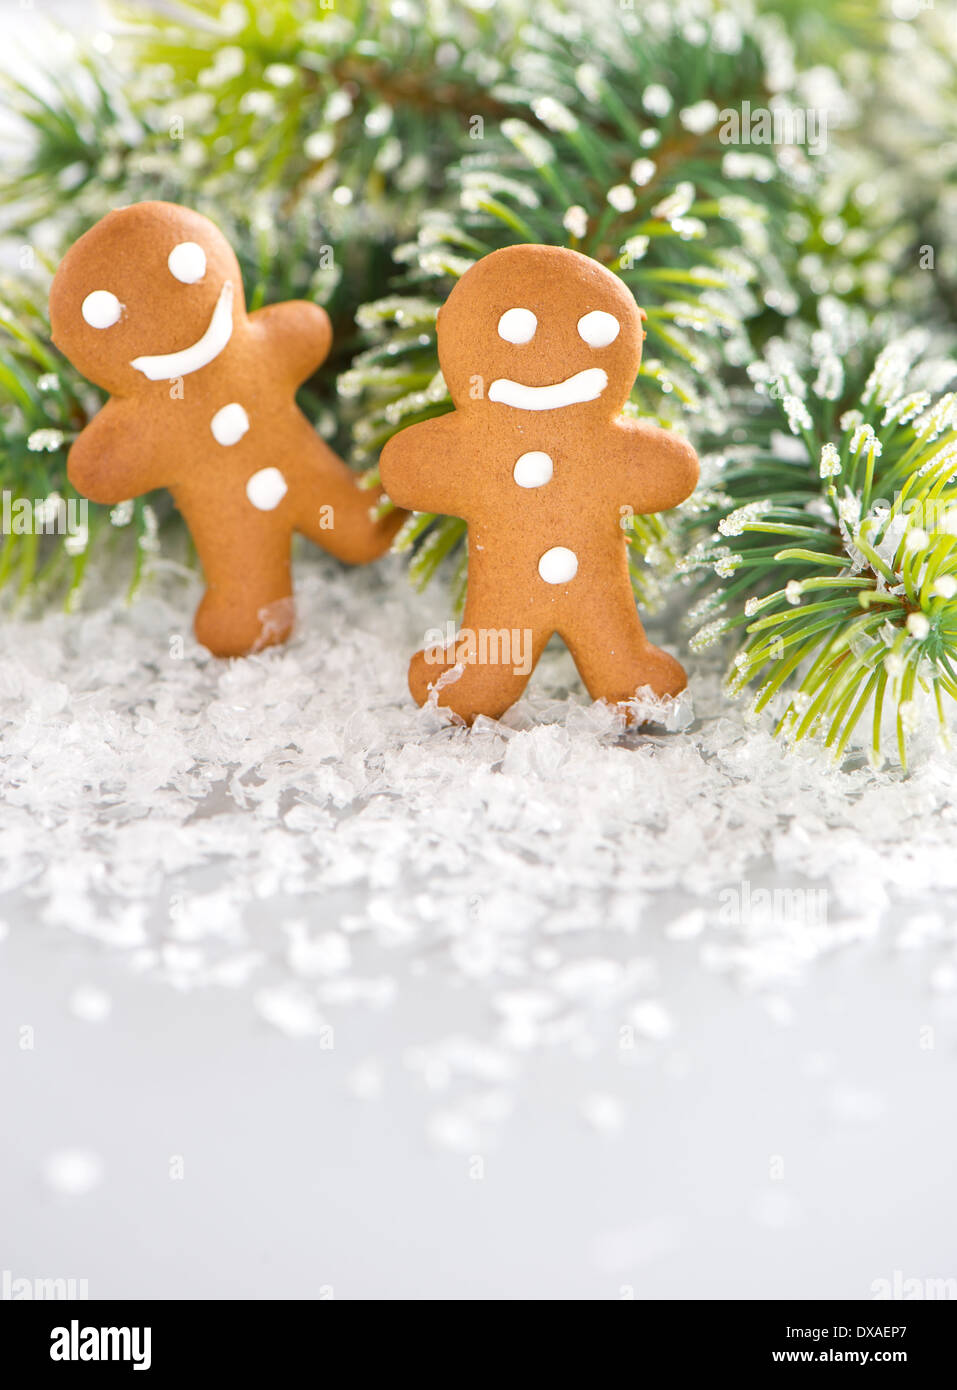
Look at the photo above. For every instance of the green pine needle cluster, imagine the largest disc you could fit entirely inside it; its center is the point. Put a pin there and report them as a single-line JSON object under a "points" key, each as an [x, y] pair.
{"points": [[617, 153], [833, 559]]}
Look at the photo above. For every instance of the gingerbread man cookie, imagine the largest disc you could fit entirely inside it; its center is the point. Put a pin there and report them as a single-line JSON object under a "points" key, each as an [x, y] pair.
{"points": [[149, 305], [539, 347]]}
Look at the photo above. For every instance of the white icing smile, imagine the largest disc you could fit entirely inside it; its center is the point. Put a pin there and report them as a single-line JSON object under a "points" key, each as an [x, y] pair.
{"points": [[583, 386], [169, 365]]}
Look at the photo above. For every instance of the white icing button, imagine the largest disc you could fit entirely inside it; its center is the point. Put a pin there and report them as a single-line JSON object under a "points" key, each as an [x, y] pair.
{"points": [[558, 565], [266, 489], [187, 262], [101, 309], [598, 329], [517, 326], [533, 469], [229, 424]]}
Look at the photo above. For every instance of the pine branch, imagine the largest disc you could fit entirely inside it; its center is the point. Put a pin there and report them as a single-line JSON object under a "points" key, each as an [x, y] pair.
{"points": [[617, 154], [835, 543]]}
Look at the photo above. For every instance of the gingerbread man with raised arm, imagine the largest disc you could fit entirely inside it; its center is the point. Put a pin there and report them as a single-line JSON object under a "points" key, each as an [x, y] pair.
{"points": [[539, 347], [149, 305]]}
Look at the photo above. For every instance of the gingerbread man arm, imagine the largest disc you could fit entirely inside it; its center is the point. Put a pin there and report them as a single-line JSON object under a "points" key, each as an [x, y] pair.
{"points": [[430, 467], [115, 457], [298, 336], [656, 469]]}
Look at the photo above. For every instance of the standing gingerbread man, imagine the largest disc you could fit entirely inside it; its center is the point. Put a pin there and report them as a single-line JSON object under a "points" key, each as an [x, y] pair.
{"points": [[149, 305], [539, 347]]}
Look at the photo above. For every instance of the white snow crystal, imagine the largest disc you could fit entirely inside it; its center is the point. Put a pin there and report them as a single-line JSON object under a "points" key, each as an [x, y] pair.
{"points": [[290, 1010], [73, 1172], [652, 1020], [603, 1112], [91, 1004], [292, 829]]}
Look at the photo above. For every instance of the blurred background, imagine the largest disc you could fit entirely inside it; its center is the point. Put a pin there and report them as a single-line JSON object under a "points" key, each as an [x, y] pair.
{"points": [[307, 994]]}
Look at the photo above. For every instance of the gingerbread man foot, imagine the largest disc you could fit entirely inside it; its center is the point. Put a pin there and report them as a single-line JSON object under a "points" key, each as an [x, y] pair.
{"points": [[230, 625], [484, 672]]}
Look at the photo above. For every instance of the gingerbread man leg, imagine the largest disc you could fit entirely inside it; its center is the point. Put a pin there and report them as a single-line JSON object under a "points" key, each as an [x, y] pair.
{"points": [[496, 654], [613, 654], [248, 602]]}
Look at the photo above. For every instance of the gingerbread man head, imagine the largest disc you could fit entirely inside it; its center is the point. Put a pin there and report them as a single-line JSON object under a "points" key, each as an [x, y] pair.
{"points": [[151, 293], [540, 328]]}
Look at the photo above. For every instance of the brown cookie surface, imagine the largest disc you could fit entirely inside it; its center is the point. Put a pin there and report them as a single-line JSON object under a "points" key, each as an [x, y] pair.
{"points": [[539, 347], [149, 304]]}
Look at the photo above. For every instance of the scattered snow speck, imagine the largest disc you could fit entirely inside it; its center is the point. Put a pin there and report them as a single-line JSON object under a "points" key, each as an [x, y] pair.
{"points": [[652, 1020], [325, 954], [290, 1010], [452, 1129], [73, 1172], [90, 1004], [943, 978], [366, 1080], [686, 927], [292, 829], [776, 1211], [604, 1113], [855, 1105]]}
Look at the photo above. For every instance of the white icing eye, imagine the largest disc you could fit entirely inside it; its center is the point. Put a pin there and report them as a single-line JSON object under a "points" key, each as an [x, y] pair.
{"points": [[187, 262], [517, 326], [101, 309], [598, 329]]}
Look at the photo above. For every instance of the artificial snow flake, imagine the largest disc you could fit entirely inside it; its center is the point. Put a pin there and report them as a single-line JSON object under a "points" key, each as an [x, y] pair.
{"points": [[735, 522], [621, 197], [798, 415], [642, 171], [829, 382], [941, 416], [603, 1112], [554, 115], [739, 164], [708, 635], [700, 117], [575, 221], [906, 408], [676, 204], [830, 462], [865, 438], [657, 100], [45, 441], [91, 1004], [725, 565], [588, 81], [73, 1172], [892, 366], [636, 247]]}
